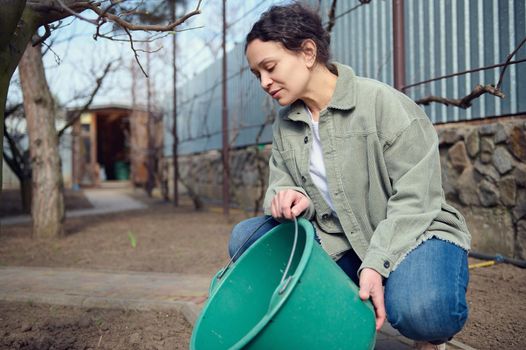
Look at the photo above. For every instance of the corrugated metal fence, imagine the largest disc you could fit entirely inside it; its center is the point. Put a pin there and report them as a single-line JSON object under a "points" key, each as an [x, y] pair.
{"points": [[441, 37]]}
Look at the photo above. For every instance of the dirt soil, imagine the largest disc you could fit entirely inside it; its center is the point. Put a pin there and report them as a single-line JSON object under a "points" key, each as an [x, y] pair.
{"points": [[11, 203], [167, 240], [497, 306], [31, 326], [181, 240]]}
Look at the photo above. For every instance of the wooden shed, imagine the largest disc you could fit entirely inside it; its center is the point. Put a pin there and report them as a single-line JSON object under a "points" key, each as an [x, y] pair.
{"points": [[111, 143]]}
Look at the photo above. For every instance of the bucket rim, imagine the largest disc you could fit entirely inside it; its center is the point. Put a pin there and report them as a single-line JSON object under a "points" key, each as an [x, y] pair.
{"points": [[307, 252]]}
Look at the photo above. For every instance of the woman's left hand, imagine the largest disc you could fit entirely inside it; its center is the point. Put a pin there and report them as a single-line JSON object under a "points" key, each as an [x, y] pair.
{"points": [[371, 286]]}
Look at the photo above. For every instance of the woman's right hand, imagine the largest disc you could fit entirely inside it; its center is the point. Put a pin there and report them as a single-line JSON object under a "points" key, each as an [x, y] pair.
{"points": [[288, 204]]}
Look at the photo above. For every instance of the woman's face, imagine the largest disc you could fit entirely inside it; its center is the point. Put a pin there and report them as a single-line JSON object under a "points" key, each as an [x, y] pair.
{"points": [[283, 74]]}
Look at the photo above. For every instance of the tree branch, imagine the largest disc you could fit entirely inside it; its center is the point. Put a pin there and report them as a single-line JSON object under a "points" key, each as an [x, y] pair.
{"points": [[11, 12], [16, 156], [135, 52], [507, 62], [130, 26], [13, 165], [332, 16], [464, 102], [361, 3], [73, 13], [478, 91], [12, 110], [46, 35], [84, 108]]}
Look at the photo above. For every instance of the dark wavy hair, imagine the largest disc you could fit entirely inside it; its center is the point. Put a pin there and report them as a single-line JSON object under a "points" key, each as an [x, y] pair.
{"points": [[291, 25]]}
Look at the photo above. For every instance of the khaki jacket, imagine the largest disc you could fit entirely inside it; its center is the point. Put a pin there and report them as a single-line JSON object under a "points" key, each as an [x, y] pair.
{"points": [[383, 171]]}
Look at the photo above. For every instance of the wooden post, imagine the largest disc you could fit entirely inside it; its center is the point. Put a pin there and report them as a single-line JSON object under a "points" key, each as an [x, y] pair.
{"points": [[226, 166], [174, 126], [398, 44], [149, 127]]}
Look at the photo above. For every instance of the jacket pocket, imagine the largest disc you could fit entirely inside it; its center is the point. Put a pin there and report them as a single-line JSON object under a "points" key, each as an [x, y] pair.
{"points": [[290, 163]]}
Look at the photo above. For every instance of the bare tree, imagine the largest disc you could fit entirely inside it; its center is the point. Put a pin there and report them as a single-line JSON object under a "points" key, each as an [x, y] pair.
{"points": [[17, 155], [19, 21], [47, 185], [479, 89]]}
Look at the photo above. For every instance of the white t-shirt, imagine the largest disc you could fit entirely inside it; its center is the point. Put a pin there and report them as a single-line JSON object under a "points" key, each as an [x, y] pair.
{"points": [[317, 165]]}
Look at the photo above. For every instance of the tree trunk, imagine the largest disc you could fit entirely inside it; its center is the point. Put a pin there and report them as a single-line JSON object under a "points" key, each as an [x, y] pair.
{"points": [[4, 85], [150, 182], [25, 194], [13, 40], [18, 23], [47, 185], [174, 117]]}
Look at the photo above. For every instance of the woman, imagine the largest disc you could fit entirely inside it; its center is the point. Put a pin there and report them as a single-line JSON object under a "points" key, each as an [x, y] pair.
{"points": [[359, 160]]}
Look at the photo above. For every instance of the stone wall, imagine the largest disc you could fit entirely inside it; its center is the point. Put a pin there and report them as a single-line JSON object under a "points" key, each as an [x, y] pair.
{"points": [[203, 173], [483, 174]]}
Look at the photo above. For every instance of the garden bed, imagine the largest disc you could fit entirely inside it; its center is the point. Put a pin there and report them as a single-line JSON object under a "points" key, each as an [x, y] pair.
{"points": [[180, 240]]}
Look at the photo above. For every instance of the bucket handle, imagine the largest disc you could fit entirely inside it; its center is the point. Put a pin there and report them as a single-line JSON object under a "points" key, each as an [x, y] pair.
{"points": [[284, 279], [222, 272]]}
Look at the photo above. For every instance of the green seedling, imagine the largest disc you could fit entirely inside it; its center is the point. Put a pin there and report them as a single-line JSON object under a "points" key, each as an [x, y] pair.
{"points": [[133, 240], [99, 322]]}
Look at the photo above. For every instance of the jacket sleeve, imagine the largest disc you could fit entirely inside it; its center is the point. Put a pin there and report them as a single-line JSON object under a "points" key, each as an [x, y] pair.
{"points": [[280, 179], [413, 164]]}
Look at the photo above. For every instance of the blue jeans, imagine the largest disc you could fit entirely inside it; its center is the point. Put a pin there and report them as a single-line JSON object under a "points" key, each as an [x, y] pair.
{"points": [[425, 297]]}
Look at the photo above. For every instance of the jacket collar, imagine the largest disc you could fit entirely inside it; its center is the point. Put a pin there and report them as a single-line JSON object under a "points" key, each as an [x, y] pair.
{"points": [[344, 97]]}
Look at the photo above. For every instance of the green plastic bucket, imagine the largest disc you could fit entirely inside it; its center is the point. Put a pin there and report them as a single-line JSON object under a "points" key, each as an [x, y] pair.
{"points": [[122, 170], [252, 305]]}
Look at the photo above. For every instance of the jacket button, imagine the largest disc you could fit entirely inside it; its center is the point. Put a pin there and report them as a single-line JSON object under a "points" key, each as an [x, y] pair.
{"points": [[386, 264], [306, 139], [325, 216], [303, 179]]}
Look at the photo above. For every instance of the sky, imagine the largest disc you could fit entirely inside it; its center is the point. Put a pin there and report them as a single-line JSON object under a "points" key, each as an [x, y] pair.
{"points": [[75, 58]]}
